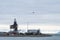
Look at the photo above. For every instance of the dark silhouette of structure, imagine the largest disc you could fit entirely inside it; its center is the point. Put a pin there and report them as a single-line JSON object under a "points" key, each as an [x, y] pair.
{"points": [[14, 26], [15, 32]]}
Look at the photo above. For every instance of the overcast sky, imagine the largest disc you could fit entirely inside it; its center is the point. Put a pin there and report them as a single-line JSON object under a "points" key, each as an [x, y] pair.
{"points": [[46, 11]]}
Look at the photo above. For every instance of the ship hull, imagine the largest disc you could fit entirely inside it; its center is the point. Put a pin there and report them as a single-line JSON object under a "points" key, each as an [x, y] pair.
{"points": [[25, 35]]}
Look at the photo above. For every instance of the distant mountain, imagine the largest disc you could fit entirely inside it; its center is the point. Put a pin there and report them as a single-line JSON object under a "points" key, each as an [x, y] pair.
{"points": [[58, 33]]}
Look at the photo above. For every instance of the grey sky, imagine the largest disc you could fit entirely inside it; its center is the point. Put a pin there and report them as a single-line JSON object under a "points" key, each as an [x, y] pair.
{"points": [[46, 11]]}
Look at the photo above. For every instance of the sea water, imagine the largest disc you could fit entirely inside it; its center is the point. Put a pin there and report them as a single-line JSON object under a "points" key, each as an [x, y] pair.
{"points": [[30, 38]]}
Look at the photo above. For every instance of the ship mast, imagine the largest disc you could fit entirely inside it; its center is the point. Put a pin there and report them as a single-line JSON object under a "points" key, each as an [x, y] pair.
{"points": [[27, 26]]}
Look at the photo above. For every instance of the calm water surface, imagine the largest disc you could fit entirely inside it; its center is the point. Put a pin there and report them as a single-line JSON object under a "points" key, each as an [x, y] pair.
{"points": [[30, 38]]}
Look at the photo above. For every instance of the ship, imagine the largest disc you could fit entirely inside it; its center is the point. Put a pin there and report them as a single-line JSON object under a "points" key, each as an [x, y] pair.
{"points": [[29, 33]]}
